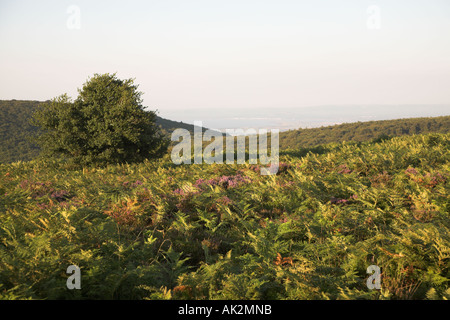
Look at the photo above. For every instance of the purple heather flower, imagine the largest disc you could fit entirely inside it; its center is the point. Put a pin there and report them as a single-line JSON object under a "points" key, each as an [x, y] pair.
{"points": [[343, 169], [137, 183], [411, 170], [179, 191], [225, 200], [338, 200], [60, 195]]}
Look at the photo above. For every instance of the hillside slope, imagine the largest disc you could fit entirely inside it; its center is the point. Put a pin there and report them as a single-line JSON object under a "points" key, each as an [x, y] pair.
{"points": [[362, 131], [15, 130], [155, 230]]}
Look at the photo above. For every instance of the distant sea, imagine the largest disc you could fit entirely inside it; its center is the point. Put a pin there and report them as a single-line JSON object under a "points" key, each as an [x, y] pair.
{"points": [[295, 118]]}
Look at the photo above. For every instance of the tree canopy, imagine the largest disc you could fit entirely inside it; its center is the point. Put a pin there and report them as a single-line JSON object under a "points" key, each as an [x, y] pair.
{"points": [[106, 123]]}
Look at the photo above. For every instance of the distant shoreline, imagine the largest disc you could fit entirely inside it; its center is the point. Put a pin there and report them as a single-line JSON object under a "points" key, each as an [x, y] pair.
{"points": [[286, 119]]}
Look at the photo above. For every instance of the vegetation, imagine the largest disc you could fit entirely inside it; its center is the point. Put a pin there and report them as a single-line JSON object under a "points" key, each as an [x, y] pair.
{"points": [[362, 131], [105, 124], [17, 133], [154, 230]]}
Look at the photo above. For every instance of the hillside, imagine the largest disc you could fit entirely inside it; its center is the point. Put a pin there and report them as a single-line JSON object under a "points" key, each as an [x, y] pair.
{"points": [[15, 130], [362, 131], [155, 230]]}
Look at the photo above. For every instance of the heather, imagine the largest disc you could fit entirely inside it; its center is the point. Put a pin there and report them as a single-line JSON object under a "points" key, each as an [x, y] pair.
{"points": [[156, 230]]}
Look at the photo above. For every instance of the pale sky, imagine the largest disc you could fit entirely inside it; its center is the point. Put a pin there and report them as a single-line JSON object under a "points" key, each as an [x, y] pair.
{"points": [[231, 53]]}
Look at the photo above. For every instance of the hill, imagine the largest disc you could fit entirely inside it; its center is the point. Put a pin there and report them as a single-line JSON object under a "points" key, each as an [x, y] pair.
{"points": [[155, 230], [362, 131], [15, 130]]}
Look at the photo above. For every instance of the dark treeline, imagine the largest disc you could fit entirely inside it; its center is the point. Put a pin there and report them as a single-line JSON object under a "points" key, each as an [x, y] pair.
{"points": [[16, 131]]}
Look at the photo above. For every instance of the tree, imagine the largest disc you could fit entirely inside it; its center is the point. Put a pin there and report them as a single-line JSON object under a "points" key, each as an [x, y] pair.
{"points": [[105, 124]]}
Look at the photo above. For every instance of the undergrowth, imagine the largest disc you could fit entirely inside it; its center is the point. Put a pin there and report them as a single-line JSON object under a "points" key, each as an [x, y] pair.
{"points": [[156, 230]]}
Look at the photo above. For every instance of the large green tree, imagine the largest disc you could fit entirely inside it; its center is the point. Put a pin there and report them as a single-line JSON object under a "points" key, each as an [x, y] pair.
{"points": [[106, 123]]}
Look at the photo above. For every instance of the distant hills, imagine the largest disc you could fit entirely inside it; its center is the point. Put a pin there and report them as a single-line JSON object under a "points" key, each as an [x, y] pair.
{"points": [[363, 131], [15, 130], [291, 118]]}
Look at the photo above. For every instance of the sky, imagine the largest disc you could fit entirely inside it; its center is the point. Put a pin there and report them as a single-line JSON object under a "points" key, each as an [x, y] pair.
{"points": [[231, 54]]}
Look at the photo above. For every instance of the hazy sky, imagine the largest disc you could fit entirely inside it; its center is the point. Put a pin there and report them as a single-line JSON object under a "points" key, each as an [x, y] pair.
{"points": [[240, 54]]}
